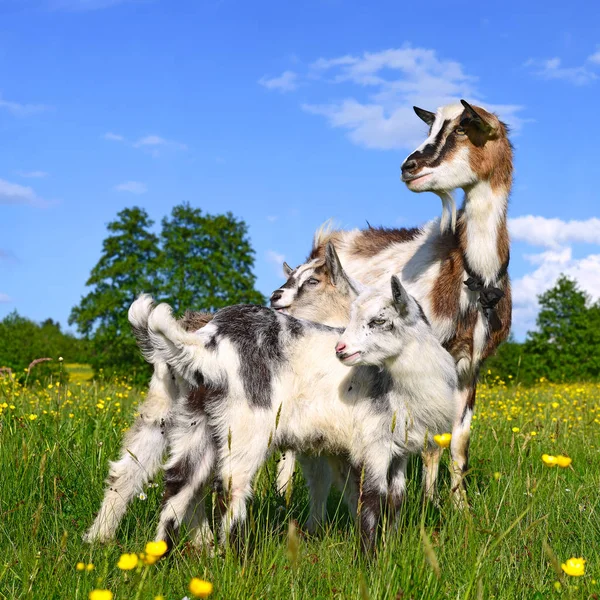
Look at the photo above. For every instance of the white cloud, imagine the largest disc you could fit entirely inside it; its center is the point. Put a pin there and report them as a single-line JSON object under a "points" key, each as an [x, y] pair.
{"points": [[551, 233], [557, 236], [32, 174], [113, 137], [5, 298], [22, 110], [133, 187], [286, 82], [378, 112], [14, 193], [552, 68], [272, 218], [154, 144]]}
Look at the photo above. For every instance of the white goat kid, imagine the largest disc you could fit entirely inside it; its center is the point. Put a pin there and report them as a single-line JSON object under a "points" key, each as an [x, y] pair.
{"points": [[277, 384]]}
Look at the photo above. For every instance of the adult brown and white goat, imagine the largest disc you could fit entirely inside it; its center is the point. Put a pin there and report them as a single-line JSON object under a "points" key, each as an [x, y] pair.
{"points": [[456, 269]]}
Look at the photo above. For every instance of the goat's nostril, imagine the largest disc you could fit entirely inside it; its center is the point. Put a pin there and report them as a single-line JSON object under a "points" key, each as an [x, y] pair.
{"points": [[340, 347], [409, 165], [276, 295]]}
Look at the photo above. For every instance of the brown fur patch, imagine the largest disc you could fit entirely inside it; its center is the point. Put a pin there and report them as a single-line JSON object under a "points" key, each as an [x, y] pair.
{"points": [[445, 295], [461, 343], [370, 242], [491, 155], [192, 320]]}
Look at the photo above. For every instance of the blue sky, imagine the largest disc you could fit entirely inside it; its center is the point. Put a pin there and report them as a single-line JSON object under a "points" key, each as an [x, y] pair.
{"points": [[285, 114]]}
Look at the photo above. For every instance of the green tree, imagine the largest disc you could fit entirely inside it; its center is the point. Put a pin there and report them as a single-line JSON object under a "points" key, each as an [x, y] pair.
{"points": [[22, 341], [128, 266], [566, 343], [207, 261]]}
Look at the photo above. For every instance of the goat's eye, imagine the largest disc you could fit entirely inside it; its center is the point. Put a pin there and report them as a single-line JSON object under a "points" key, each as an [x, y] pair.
{"points": [[377, 322], [312, 281], [460, 130]]}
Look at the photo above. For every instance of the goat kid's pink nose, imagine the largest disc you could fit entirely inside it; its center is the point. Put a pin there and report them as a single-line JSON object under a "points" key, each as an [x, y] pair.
{"points": [[340, 347]]}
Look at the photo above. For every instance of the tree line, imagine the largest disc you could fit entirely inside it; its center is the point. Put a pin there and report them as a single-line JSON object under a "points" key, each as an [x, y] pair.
{"points": [[205, 262]]}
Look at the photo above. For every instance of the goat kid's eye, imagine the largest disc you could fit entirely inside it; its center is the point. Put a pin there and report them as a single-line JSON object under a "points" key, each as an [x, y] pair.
{"points": [[377, 322], [460, 130], [312, 281]]}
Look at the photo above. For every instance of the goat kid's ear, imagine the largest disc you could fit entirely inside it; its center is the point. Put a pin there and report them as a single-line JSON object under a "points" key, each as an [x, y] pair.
{"points": [[400, 297], [425, 115], [338, 276], [479, 120], [287, 270]]}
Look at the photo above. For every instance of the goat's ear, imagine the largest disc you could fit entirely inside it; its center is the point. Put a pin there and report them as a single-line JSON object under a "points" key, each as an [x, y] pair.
{"points": [[336, 272], [400, 297], [287, 270], [481, 121], [425, 115]]}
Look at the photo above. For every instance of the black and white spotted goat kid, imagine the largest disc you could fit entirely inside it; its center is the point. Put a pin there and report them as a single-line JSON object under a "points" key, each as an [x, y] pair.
{"points": [[278, 384]]}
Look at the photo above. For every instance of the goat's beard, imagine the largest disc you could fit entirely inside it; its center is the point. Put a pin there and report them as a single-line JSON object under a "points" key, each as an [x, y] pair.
{"points": [[448, 218]]}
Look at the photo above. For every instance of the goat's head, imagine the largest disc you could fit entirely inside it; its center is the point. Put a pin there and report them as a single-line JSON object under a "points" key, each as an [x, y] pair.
{"points": [[378, 326], [318, 290], [466, 144]]}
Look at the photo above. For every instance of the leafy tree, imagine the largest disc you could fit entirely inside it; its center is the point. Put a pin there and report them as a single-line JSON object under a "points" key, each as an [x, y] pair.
{"points": [[566, 345], [22, 341], [207, 261], [128, 265], [200, 261]]}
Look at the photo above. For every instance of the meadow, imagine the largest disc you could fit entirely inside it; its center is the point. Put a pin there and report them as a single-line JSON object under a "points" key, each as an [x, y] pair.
{"points": [[525, 518]]}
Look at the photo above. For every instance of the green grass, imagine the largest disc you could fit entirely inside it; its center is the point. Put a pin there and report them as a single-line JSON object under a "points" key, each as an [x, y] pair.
{"points": [[53, 464]]}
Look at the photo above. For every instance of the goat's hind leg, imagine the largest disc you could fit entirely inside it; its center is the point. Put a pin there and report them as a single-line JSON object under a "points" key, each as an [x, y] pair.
{"points": [[190, 464], [431, 467], [141, 457]]}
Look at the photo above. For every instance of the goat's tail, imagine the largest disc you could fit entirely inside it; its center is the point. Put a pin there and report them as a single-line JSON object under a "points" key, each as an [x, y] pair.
{"points": [[181, 350], [138, 315]]}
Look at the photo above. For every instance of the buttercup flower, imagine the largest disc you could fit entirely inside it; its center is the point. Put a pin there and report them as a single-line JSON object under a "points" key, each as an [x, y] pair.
{"points": [[516, 430], [575, 567], [101, 595], [128, 562], [563, 461], [154, 550], [443, 440], [80, 566], [549, 461], [200, 588], [497, 475]]}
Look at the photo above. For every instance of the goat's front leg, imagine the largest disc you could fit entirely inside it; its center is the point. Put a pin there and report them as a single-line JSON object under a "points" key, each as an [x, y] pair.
{"points": [[141, 457], [373, 496], [431, 467], [459, 446]]}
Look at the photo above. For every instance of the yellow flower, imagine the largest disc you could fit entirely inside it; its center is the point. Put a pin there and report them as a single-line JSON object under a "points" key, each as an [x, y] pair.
{"points": [[533, 433], [200, 588], [549, 461], [563, 461], [89, 567], [154, 550], [575, 567], [80, 566], [497, 475], [443, 441], [128, 562], [32, 417], [101, 595], [516, 430]]}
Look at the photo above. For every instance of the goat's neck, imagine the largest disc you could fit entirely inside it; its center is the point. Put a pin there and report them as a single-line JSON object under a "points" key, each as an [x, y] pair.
{"points": [[483, 232]]}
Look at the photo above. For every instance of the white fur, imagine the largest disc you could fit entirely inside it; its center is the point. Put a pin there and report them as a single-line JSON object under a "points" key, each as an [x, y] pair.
{"points": [[315, 397]]}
